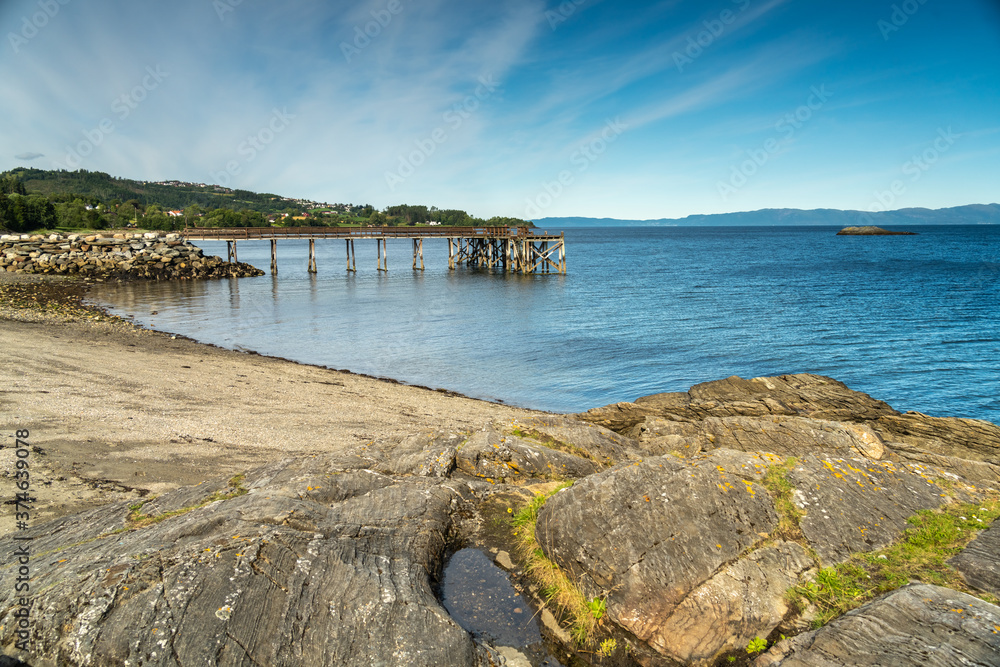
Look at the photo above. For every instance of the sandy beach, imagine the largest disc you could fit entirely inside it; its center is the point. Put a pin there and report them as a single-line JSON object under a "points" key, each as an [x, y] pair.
{"points": [[118, 412]]}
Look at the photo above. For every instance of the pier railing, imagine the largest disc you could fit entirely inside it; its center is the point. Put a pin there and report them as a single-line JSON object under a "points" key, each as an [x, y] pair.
{"points": [[248, 233]]}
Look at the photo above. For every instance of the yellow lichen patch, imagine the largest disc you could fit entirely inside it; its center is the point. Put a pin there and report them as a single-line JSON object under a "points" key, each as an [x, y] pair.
{"points": [[749, 486]]}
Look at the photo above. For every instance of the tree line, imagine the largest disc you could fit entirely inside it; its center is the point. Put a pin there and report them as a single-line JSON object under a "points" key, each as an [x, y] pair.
{"points": [[30, 199]]}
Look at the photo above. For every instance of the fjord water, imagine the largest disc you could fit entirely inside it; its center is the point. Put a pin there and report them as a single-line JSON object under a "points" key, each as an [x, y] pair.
{"points": [[912, 320]]}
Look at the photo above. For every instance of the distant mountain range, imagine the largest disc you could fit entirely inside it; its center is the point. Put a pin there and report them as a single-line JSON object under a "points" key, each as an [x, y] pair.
{"points": [[974, 214]]}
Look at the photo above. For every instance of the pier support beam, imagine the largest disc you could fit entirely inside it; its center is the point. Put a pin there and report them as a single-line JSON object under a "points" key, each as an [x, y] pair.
{"points": [[512, 251], [350, 256], [418, 248], [562, 253]]}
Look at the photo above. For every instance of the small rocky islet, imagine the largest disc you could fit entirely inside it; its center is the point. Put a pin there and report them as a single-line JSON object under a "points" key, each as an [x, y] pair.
{"points": [[870, 230], [701, 524]]}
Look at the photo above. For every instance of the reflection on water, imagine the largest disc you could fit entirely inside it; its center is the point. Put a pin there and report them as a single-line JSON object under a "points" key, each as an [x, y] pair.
{"points": [[479, 597], [910, 320]]}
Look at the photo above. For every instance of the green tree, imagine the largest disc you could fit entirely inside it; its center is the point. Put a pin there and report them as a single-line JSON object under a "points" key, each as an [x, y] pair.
{"points": [[11, 184], [20, 213]]}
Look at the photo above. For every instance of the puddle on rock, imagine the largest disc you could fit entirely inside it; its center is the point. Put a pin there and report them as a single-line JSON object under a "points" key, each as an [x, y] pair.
{"points": [[481, 599]]}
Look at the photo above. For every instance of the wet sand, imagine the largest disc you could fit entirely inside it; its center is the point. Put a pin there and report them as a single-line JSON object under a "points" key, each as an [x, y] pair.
{"points": [[117, 412]]}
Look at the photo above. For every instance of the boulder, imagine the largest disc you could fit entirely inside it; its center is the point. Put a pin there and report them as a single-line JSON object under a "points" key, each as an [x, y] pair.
{"points": [[915, 435], [423, 455], [743, 601], [586, 439], [782, 435], [802, 395], [979, 562], [687, 550], [646, 535], [915, 626], [497, 458]]}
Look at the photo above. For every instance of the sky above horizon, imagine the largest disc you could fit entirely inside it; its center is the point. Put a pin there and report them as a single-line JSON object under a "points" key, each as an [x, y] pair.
{"points": [[524, 108]]}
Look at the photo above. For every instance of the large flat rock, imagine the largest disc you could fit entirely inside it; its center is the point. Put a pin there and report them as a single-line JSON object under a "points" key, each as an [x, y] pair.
{"points": [[916, 434], [799, 414], [856, 505], [686, 549], [802, 395], [916, 626], [316, 565], [782, 435], [647, 534]]}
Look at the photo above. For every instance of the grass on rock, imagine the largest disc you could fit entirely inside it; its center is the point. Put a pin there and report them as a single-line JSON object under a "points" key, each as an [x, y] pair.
{"points": [[584, 615], [932, 538]]}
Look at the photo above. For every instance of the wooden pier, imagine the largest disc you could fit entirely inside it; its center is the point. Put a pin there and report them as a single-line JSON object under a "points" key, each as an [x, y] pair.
{"points": [[514, 249]]}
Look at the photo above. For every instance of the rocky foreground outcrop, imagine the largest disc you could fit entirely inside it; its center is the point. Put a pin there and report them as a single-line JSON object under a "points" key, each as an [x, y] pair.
{"points": [[691, 515], [124, 256], [915, 625]]}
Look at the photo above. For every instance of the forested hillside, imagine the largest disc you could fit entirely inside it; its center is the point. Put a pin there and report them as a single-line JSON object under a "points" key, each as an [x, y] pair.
{"points": [[38, 199]]}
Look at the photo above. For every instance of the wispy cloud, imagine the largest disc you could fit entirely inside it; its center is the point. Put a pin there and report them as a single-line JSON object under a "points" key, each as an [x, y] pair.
{"points": [[354, 118]]}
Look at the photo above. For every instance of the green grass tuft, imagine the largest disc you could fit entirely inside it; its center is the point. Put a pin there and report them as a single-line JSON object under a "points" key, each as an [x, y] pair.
{"points": [[932, 538], [584, 615]]}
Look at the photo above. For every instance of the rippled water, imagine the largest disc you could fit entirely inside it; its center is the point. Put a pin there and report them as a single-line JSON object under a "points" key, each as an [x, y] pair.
{"points": [[913, 320]]}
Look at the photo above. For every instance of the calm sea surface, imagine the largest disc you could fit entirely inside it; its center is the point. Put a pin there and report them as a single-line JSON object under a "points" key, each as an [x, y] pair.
{"points": [[912, 320]]}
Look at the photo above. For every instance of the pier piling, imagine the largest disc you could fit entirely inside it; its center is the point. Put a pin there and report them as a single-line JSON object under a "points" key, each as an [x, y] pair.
{"points": [[350, 256], [513, 249]]}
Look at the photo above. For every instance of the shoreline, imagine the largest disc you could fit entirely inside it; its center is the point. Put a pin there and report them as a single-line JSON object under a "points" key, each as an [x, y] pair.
{"points": [[120, 412]]}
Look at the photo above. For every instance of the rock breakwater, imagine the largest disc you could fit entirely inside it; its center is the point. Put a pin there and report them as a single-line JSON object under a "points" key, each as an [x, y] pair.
{"points": [[124, 256]]}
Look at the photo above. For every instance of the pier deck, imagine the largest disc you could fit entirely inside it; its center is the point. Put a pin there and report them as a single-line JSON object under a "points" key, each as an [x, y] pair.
{"points": [[515, 249]]}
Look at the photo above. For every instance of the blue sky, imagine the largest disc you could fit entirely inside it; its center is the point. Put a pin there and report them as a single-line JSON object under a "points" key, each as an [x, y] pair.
{"points": [[523, 108]]}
